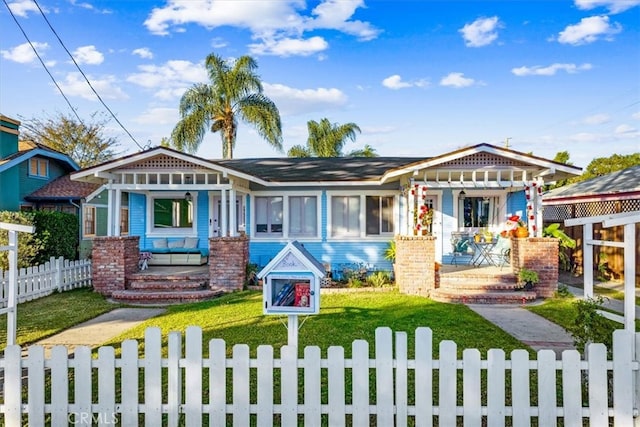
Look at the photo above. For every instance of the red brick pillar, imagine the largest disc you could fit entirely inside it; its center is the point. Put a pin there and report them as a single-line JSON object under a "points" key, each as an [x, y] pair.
{"points": [[228, 257], [113, 260], [415, 264], [539, 254]]}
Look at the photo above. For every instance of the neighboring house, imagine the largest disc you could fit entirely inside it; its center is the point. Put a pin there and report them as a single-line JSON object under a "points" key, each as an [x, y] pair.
{"points": [[344, 210], [26, 167], [613, 193]]}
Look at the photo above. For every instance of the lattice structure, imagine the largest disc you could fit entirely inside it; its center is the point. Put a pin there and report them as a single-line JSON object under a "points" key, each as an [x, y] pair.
{"points": [[164, 162], [581, 210], [482, 160]]}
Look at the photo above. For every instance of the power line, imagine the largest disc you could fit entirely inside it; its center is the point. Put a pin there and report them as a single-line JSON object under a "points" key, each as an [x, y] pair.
{"points": [[85, 77], [42, 62]]}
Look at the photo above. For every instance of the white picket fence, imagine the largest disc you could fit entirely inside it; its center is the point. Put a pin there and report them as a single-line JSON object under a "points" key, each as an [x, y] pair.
{"points": [[390, 388], [58, 274]]}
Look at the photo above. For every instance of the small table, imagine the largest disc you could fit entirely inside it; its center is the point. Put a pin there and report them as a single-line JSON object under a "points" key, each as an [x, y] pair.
{"points": [[483, 249]]}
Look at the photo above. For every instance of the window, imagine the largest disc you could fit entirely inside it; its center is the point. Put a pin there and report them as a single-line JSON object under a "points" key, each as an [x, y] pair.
{"points": [[478, 211], [345, 216], [39, 167], [172, 214], [269, 215], [89, 220], [379, 215], [303, 216], [124, 221]]}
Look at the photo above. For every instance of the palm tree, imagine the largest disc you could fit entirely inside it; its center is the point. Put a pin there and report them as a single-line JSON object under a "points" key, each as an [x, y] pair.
{"points": [[235, 91], [325, 139], [366, 151]]}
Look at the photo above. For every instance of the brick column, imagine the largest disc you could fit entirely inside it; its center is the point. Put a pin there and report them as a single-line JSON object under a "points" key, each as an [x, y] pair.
{"points": [[228, 257], [113, 260], [415, 264], [539, 254]]}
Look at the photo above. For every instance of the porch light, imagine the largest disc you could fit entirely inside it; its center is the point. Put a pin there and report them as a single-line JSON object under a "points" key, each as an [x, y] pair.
{"points": [[462, 194], [187, 196]]}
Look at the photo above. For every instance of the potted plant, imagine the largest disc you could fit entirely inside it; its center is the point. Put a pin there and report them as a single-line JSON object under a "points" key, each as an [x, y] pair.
{"points": [[528, 278]]}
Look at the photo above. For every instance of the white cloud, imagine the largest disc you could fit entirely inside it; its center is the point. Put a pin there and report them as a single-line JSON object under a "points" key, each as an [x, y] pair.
{"points": [[75, 85], [625, 130], [88, 55], [589, 30], [481, 32], [275, 25], [550, 70], [457, 80], [636, 115], [395, 82], [614, 6], [158, 116], [596, 119], [585, 137], [291, 101], [143, 52], [288, 47], [23, 7], [171, 79], [23, 53]]}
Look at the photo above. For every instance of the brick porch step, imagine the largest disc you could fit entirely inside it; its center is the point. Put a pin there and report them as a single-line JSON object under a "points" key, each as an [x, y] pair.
{"points": [[164, 297], [481, 297], [166, 285]]}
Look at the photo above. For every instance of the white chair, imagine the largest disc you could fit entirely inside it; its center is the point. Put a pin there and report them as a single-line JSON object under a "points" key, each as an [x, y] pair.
{"points": [[500, 254]]}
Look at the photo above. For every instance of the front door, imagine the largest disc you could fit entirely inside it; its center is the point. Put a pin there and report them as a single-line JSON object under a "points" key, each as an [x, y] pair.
{"points": [[431, 201], [215, 221]]}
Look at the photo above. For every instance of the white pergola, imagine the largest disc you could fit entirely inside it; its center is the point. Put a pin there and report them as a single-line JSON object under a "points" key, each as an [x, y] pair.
{"points": [[628, 220]]}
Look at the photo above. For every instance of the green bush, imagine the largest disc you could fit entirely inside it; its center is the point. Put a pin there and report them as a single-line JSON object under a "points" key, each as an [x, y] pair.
{"points": [[58, 232], [28, 244], [56, 235], [589, 326], [378, 279]]}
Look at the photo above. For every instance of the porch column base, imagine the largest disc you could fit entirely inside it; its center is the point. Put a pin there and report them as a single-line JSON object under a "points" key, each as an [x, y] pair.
{"points": [[415, 264], [113, 260], [228, 257], [539, 254]]}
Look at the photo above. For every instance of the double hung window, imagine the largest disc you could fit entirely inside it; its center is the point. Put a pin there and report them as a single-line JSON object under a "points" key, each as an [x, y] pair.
{"points": [[269, 215]]}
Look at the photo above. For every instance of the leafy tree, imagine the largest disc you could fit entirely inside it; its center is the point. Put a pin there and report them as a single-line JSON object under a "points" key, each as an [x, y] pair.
{"points": [[84, 142], [561, 157], [604, 165], [366, 151], [234, 92], [326, 139]]}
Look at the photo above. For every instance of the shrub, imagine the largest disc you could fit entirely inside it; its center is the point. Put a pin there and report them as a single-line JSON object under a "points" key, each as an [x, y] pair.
{"points": [[589, 326], [379, 279], [28, 244], [58, 234]]}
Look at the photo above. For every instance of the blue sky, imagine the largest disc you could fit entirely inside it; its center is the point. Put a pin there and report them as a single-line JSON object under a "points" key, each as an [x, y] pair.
{"points": [[419, 78]]}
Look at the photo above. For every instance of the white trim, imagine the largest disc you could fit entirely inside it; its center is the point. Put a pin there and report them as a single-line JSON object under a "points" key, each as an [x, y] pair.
{"points": [[170, 232]]}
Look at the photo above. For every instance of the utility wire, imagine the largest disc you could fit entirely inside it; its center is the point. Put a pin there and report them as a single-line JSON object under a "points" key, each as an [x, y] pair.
{"points": [[42, 62], [85, 77]]}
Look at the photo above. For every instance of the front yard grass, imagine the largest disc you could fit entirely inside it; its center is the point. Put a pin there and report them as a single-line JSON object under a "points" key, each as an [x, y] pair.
{"points": [[49, 315], [238, 319]]}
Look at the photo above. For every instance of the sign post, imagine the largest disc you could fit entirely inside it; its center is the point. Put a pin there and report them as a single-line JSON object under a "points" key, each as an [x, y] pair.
{"points": [[12, 293]]}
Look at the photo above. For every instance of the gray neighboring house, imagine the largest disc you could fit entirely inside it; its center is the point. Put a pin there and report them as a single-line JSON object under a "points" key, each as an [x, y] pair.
{"points": [[613, 193]]}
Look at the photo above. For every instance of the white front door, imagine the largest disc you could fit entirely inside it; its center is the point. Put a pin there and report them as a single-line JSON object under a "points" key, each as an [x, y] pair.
{"points": [[215, 210], [436, 225]]}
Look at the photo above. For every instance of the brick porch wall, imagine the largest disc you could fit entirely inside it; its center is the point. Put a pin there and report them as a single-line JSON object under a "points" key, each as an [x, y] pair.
{"points": [[415, 264], [113, 259], [541, 255], [228, 257]]}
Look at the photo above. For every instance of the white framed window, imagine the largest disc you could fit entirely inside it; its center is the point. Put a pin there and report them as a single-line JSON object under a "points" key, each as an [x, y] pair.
{"points": [[170, 213], [89, 221], [269, 215], [303, 216], [345, 215], [480, 210], [39, 167], [379, 214]]}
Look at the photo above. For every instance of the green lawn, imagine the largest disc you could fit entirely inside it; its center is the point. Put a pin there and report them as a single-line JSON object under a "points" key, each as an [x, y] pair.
{"points": [[237, 318], [47, 316]]}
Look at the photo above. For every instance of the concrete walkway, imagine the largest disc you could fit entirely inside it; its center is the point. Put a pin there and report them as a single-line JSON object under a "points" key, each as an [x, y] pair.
{"points": [[101, 329]]}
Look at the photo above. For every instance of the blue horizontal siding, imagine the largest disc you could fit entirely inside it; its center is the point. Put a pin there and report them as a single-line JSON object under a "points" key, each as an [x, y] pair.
{"points": [[337, 254]]}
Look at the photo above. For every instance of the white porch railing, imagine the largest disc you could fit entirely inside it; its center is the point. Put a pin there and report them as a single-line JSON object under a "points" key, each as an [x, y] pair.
{"points": [[58, 274], [188, 389]]}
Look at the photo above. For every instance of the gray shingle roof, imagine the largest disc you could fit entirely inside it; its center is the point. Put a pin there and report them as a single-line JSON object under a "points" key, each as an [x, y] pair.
{"points": [[317, 168], [624, 181]]}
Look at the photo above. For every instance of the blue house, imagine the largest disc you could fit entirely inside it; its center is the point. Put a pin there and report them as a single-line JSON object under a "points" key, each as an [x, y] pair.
{"points": [[26, 166], [344, 210]]}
